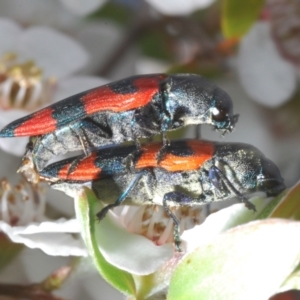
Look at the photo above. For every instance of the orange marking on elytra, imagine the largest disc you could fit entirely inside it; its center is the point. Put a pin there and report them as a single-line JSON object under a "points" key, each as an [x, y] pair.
{"points": [[104, 98], [86, 170], [41, 122], [202, 151]]}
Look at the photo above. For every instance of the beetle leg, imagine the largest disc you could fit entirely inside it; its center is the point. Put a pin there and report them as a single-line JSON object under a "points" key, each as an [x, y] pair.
{"points": [[217, 176], [162, 152], [203, 175], [85, 142], [135, 180], [130, 160], [89, 125], [80, 132], [203, 178], [75, 163], [177, 198]]}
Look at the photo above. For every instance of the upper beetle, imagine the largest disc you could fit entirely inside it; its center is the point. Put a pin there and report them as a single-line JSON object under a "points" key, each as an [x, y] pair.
{"points": [[125, 110]]}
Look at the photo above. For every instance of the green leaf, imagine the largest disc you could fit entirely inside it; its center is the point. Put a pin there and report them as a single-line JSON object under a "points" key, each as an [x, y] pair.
{"points": [[293, 281], [286, 205], [206, 69], [289, 207], [267, 211], [247, 262], [117, 13], [8, 250], [85, 207], [154, 44], [55, 280], [238, 16]]}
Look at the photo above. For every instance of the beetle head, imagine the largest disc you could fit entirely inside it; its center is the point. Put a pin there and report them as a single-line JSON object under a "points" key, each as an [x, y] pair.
{"points": [[221, 111], [192, 99], [269, 180]]}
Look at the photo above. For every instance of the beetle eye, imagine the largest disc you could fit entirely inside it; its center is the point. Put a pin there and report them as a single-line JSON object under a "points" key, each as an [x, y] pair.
{"points": [[269, 184], [219, 115]]}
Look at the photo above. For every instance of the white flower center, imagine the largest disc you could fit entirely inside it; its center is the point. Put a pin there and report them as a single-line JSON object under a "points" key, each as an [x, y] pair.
{"points": [[22, 204], [153, 222], [22, 85]]}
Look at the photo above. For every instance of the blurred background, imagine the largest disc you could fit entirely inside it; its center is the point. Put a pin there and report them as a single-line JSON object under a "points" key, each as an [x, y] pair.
{"points": [[51, 49]]}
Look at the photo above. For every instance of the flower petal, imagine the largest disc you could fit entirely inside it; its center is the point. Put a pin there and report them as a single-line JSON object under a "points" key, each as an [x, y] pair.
{"points": [[15, 146], [170, 7], [9, 33], [146, 65], [222, 220], [58, 55], [50, 237], [265, 75], [76, 84], [60, 225], [117, 245], [60, 202], [129, 251], [80, 7], [42, 12], [110, 35]]}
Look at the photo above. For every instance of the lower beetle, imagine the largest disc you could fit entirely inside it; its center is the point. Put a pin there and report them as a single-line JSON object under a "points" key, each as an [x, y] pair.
{"points": [[192, 172], [126, 110]]}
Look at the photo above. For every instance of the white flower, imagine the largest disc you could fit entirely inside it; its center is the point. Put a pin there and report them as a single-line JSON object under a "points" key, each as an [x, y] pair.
{"points": [[139, 240], [32, 266], [170, 7], [101, 39], [22, 219], [147, 228], [222, 220], [36, 65], [265, 75], [41, 12], [151, 228]]}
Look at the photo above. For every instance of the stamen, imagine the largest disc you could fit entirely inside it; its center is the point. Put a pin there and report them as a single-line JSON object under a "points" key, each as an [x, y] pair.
{"points": [[22, 85], [167, 234], [22, 204], [136, 221], [153, 222]]}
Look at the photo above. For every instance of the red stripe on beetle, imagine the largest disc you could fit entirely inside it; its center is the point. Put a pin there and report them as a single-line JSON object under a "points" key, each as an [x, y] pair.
{"points": [[86, 170], [41, 122], [202, 151], [104, 98]]}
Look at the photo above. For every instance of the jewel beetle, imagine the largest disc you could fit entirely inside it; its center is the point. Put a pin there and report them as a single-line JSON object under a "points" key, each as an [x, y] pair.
{"points": [[192, 172], [126, 110]]}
